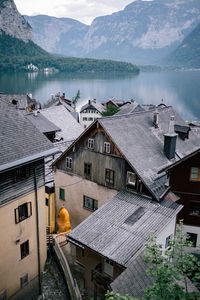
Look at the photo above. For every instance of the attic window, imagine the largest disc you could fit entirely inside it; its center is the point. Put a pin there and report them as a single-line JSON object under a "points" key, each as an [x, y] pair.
{"points": [[182, 130], [107, 147], [91, 143], [132, 219], [68, 162], [131, 178]]}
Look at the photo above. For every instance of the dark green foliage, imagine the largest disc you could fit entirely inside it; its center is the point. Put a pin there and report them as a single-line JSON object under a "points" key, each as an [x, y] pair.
{"points": [[16, 55], [110, 111], [76, 98]]}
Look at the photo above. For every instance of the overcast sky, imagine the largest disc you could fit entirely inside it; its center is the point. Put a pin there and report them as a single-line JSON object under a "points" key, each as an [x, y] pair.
{"points": [[82, 10]]}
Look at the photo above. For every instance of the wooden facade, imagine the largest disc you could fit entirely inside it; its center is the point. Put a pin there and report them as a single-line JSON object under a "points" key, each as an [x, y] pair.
{"points": [[90, 150], [20, 181], [187, 189]]}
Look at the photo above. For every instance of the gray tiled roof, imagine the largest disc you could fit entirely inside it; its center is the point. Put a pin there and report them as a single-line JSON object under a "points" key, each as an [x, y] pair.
{"points": [[20, 141], [23, 99], [98, 106], [70, 128], [143, 145], [42, 123], [134, 279], [127, 108], [107, 231]]}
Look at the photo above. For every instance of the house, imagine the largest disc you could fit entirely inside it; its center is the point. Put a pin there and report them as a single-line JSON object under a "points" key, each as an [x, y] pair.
{"points": [[116, 103], [113, 237], [22, 204], [90, 112], [129, 152], [23, 102]]}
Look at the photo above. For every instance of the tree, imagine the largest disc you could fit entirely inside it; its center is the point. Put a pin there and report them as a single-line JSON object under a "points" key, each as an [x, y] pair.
{"points": [[170, 269], [75, 99], [110, 110]]}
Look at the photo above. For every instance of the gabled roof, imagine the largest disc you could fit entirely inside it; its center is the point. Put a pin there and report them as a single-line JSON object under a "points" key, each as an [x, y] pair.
{"points": [[61, 117], [42, 123], [93, 104], [123, 225], [142, 145], [20, 141], [23, 100]]}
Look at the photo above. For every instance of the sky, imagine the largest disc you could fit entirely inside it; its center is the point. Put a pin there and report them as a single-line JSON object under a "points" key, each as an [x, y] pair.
{"points": [[82, 10]]}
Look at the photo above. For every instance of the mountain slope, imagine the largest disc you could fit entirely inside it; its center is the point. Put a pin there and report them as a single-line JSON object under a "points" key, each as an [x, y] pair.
{"points": [[12, 23], [144, 32], [188, 53], [58, 35]]}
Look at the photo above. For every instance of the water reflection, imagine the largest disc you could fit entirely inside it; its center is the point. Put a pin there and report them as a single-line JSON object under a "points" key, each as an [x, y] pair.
{"points": [[177, 88]]}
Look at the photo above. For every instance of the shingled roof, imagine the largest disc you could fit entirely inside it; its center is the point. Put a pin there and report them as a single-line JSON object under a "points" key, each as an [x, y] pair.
{"points": [[123, 225], [20, 141], [143, 145], [42, 123]]}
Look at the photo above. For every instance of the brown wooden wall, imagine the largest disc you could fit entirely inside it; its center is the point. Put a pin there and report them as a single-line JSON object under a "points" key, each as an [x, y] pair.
{"points": [[187, 190]]}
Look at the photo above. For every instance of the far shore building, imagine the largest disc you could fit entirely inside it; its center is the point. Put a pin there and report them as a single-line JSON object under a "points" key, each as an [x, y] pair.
{"points": [[22, 204], [90, 112]]}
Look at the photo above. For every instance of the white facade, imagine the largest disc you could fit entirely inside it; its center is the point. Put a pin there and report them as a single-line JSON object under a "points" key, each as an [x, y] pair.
{"points": [[88, 115], [167, 232]]}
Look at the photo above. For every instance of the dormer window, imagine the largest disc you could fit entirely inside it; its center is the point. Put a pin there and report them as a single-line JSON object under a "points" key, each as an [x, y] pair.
{"points": [[91, 143], [107, 147], [68, 162], [131, 178]]}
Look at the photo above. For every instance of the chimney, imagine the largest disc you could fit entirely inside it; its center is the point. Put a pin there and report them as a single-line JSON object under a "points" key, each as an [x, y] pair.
{"points": [[94, 100], [35, 113], [89, 102], [64, 95], [170, 140], [155, 118]]}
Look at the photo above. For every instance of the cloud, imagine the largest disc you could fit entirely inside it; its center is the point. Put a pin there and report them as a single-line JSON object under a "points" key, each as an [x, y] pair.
{"points": [[82, 10]]}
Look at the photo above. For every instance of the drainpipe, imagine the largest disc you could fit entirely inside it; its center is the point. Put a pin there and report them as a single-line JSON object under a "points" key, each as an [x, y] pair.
{"points": [[37, 232]]}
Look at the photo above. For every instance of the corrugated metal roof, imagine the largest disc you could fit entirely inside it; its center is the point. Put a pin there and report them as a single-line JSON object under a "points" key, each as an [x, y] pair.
{"points": [[107, 233]]}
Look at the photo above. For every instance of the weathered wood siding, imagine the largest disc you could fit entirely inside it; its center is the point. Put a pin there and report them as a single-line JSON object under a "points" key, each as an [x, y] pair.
{"points": [[10, 189]]}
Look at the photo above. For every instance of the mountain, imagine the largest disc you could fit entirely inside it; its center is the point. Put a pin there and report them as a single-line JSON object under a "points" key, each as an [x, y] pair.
{"points": [[12, 23], [188, 53], [58, 35], [144, 32]]}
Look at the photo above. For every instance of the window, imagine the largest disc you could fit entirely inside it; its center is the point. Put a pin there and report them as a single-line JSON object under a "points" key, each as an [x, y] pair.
{"points": [[107, 147], [24, 249], [195, 208], [90, 119], [108, 267], [47, 201], [91, 143], [21, 173], [68, 162], [84, 119], [192, 237], [90, 203], [62, 194], [195, 174], [23, 212], [24, 280], [109, 176], [87, 169], [168, 240], [131, 178]]}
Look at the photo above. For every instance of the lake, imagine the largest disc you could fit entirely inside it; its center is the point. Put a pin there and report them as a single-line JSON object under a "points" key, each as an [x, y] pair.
{"points": [[181, 89]]}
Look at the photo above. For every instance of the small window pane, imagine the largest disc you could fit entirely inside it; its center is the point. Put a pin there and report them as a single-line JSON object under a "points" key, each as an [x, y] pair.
{"points": [[24, 248], [91, 143], [90, 203], [107, 147], [131, 178], [195, 208], [194, 173], [68, 162], [87, 169], [62, 194]]}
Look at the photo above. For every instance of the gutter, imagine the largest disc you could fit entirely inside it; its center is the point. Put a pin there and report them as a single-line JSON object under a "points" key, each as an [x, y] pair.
{"points": [[28, 159]]}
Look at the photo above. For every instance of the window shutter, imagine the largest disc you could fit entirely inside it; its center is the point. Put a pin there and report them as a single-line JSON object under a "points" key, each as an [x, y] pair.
{"points": [[29, 208], [16, 216]]}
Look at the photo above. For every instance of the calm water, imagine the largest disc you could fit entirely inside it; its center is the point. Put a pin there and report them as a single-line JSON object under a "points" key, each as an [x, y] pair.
{"points": [[181, 89]]}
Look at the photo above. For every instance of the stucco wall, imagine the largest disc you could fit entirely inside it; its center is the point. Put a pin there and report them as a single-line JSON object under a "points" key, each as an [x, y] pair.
{"points": [[167, 231], [75, 187], [12, 267]]}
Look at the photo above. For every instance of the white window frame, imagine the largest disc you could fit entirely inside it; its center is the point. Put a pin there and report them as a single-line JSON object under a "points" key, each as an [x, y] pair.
{"points": [[106, 147], [68, 162], [128, 178], [91, 143], [168, 240]]}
